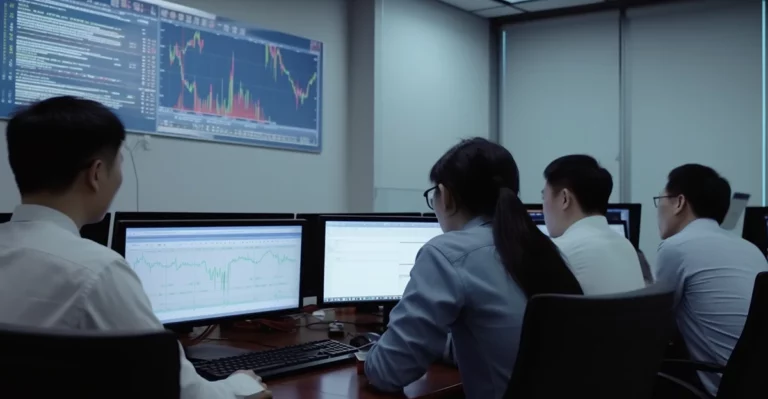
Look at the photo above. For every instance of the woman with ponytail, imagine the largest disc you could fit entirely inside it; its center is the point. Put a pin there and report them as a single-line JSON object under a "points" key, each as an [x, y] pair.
{"points": [[473, 281]]}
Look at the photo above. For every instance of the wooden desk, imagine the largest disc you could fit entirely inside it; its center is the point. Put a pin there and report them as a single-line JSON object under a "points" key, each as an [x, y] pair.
{"points": [[341, 381]]}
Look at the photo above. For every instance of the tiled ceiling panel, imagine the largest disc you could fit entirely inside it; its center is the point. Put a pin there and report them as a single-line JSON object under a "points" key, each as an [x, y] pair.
{"points": [[472, 5], [541, 5], [498, 12], [500, 8]]}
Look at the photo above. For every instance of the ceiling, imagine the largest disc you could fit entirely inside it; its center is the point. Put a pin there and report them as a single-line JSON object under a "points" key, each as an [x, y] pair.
{"points": [[502, 8]]}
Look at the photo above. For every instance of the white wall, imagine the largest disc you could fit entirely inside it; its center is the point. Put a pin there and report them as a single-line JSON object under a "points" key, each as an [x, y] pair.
{"points": [[433, 88], [694, 95], [561, 95], [185, 175]]}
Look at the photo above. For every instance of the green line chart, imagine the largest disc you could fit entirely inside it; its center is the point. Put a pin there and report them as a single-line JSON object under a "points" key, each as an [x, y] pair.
{"points": [[178, 279]]}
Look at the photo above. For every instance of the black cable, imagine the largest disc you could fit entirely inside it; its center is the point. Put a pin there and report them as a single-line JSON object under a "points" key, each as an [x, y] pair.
{"points": [[135, 170]]}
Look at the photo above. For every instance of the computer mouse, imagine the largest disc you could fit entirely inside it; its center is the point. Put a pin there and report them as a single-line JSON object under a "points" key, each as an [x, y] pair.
{"points": [[364, 339]]}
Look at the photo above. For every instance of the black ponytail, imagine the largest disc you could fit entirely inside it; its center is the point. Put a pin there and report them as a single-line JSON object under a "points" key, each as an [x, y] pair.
{"points": [[530, 257], [484, 181]]}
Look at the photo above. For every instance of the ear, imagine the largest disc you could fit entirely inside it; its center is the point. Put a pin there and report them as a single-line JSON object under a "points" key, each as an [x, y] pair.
{"points": [[95, 175], [680, 203], [446, 198], [566, 198]]}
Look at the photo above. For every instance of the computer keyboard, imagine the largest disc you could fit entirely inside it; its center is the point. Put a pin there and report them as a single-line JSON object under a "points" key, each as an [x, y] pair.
{"points": [[278, 362]]}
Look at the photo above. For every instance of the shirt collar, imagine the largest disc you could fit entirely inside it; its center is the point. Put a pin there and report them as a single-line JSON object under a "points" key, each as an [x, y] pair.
{"points": [[701, 223], [478, 221], [38, 213], [597, 221]]}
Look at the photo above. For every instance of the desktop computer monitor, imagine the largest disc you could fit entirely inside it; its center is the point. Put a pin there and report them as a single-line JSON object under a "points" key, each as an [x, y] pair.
{"points": [[150, 216], [619, 226], [628, 213], [756, 227], [97, 232], [535, 212], [369, 259], [199, 271], [312, 264], [120, 216]]}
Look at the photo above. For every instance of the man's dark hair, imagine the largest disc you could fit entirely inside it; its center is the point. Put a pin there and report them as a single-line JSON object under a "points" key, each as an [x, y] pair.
{"points": [[708, 193], [52, 141], [585, 178]]}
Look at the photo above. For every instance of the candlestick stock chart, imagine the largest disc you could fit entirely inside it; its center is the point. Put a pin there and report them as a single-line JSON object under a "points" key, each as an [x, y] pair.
{"points": [[214, 74]]}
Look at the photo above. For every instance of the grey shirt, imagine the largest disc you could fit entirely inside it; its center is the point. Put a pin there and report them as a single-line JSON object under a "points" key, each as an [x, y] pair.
{"points": [[459, 285], [713, 273]]}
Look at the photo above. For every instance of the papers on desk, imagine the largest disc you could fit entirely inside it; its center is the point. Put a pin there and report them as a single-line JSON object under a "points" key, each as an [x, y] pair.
{"points": [[244, 385], [735, 210]]}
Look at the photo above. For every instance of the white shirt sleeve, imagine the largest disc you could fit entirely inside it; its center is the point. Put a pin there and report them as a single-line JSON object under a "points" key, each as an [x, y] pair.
{"points": [[117, 301]]}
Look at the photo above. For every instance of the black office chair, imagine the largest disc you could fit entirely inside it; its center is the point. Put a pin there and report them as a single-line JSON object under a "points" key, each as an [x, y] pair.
{"points": [[746, 374], [598, 347], [43, 363]]}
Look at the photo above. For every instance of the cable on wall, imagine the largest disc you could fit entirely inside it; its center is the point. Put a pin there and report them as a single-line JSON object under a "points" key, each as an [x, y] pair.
{"points": [[625, 150], [763, 56], [502, 84], [142, 143]]}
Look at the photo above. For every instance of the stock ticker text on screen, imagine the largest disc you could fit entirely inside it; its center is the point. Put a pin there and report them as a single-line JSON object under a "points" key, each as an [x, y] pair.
{"points": [[173, 71]]}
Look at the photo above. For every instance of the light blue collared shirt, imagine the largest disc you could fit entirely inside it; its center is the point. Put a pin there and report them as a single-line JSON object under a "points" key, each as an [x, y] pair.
{"points": [[459, 285], [713, 273]]}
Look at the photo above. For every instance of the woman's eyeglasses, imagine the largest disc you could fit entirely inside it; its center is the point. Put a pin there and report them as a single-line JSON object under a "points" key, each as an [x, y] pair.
{"points": [[429, 196]]}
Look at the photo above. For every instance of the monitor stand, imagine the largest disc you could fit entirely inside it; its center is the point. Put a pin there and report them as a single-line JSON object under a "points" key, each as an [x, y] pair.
{"points": [[387, 309], [182, 330], [367, 308]]}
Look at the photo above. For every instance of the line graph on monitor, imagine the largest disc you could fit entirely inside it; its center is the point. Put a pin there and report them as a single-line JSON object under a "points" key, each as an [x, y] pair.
{"points": [[219, 75], [182, 279]]}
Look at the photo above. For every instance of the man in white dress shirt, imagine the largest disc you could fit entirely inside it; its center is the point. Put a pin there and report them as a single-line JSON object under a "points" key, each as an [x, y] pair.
{"points": [[712, 270], [65, 156], [575, 199]]}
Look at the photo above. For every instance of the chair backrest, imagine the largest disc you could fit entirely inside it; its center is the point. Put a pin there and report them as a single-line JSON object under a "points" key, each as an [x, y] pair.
{"points": [[746, 374], [44, 363], [592, 346]]}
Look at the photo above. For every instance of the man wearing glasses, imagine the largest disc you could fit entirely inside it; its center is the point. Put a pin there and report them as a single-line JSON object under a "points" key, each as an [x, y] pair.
{"points": [[712, 271]]}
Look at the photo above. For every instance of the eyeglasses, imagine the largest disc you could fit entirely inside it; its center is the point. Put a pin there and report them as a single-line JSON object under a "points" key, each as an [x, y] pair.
{"points": [[429, 196], [656, 199]]}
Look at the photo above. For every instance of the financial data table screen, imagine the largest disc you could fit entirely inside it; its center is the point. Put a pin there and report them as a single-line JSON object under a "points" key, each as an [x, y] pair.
{"points": [[371, 261], [165, 68], [208, 272]]}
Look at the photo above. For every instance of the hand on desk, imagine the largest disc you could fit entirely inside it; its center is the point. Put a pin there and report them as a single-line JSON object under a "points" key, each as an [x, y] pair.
{"points": [[266, 394]]}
